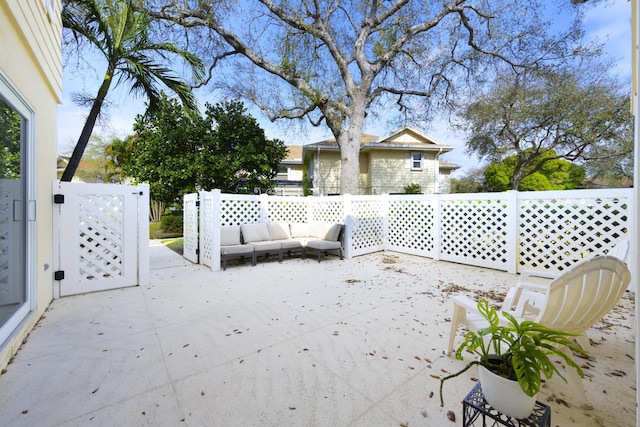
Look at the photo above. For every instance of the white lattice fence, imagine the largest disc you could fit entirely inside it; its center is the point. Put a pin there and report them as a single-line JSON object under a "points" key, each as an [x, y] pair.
{"points": [[207, 227], [366, 231], [327, 209], [565, 227], [475, 230], [190, 227], [286, 209], [508, 231], [100, 236], [411, 226]]}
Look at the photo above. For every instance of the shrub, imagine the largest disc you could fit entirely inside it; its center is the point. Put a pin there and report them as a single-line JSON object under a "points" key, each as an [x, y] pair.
{"points": [[412, 189], [172, 222]]}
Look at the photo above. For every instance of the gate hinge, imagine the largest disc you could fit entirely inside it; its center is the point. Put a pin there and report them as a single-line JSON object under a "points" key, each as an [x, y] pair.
{"points": [[58, 275], [58, 199]]}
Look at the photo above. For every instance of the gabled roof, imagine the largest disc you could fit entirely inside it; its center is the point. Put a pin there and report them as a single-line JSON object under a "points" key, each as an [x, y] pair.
{"points": [[403, 138]]}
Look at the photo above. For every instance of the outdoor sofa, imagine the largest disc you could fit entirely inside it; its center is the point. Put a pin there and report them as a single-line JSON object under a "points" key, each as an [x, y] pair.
{"points": [[264, 238]]}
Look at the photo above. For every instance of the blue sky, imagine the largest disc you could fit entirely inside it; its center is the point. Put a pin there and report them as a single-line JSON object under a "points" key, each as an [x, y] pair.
{"points": [[609, 21]]}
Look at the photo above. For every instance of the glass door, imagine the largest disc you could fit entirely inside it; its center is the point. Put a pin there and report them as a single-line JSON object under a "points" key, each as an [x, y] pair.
{"points": [[14, 212]]}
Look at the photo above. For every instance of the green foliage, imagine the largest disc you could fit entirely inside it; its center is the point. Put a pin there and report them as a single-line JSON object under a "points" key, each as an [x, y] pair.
{"points": [[412, 189], [120, 31], [172, 222], [10, 123], [578, 113], [471, 183], [177, 153], [523, 349], [306, 179], [549, 173]]}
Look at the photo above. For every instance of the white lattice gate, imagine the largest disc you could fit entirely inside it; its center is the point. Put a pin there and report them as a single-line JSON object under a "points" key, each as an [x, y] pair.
{"points": [[190, 227], [102, 237]]}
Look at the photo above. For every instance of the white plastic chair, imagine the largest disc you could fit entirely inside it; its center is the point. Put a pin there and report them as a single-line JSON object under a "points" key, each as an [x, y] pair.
{"points": [[523, 299], [573, 302]]}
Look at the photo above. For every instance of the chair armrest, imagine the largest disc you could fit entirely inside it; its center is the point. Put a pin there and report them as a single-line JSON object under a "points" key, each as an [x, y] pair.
{"points": [[536, 280], [465, 302]]}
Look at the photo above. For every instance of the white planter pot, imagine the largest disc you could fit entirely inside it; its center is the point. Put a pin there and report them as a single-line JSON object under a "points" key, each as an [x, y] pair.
{"points": [[505, 395]]}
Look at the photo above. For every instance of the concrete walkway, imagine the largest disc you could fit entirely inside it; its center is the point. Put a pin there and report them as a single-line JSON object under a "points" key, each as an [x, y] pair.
{"points": [[299, 343]]}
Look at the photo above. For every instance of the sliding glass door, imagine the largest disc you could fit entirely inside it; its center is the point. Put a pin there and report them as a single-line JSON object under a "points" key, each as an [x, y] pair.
{"points": [[16, 213]]}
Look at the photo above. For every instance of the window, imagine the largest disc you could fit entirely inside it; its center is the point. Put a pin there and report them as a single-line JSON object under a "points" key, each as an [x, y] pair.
{"points": [[413, 161]]}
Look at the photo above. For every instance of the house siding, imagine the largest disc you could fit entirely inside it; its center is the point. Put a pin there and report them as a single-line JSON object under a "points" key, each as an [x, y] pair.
{"points": [[31, 62], [389, 173]]}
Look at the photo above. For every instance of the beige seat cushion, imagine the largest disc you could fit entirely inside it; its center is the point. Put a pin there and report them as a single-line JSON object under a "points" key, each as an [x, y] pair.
{"points": [[266, 246], [333, 232], [236, 250], [323, 245]]}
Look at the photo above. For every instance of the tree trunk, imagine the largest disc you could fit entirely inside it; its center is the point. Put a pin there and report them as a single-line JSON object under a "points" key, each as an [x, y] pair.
{"points": [[81, 145], [350, 143]]}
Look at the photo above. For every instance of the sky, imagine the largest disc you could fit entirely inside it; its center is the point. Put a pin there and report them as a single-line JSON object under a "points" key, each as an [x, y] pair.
{"points": [[609, 21]]}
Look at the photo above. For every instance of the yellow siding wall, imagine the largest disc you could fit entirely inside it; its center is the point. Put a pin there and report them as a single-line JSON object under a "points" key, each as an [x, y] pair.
{"points": [[326, 175], [389, 174], [30, 58]]}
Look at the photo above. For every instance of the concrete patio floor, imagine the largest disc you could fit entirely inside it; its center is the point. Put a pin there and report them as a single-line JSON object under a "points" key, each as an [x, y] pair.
{"points": [[357, 342]]}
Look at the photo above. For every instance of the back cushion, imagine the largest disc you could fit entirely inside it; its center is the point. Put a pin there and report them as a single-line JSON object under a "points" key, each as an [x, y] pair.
{"points": [[255, 232], [299, 230], [230, 235], [333, 232], [278, 231], [317, 229]]}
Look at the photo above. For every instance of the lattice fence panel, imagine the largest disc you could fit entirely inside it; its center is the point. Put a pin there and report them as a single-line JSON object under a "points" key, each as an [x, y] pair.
{"points": [[327, 210], [474, 231], [368, 217], [556, 233], [286, 209], [411, 225], [206, 228], [238, 210], [101, 236], [190, 226]]}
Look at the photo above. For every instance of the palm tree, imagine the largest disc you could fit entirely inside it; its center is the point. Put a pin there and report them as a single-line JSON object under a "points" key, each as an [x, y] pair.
{"points": [[120, 31]]}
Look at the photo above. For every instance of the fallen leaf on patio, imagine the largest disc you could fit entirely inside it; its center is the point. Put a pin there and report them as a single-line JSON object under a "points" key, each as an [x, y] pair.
{"points": [[430, 395], [423, 412], [94, 391], [452, 416], [185, 346], [618, 373], [25, 411], [292, 408], [435, 376], [4, 371]]}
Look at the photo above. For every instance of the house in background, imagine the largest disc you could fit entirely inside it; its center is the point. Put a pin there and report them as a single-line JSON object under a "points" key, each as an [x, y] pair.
{"points": [[387, 164], [30, 90], [290, 173]]}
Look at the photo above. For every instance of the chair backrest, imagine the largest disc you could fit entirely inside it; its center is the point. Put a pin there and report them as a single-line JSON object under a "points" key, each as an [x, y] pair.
{"points": [[583, 295], [620, 250]]}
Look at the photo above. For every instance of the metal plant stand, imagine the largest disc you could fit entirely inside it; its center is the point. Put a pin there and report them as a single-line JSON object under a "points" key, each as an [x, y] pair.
{"points": [[476, 409]]}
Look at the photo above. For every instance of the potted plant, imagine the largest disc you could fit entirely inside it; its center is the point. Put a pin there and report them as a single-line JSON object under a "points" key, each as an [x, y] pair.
{"points": [[516, 353]]}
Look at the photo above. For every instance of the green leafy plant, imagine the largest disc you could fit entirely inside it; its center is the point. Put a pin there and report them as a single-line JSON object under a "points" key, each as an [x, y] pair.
{"points": [[519, 351], [412, 189]]}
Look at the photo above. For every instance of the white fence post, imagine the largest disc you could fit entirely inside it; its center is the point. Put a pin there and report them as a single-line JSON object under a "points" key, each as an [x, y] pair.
{"points": [[512, 238], [216, 223], [348, 225], [437, 215], [143, 235]]}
